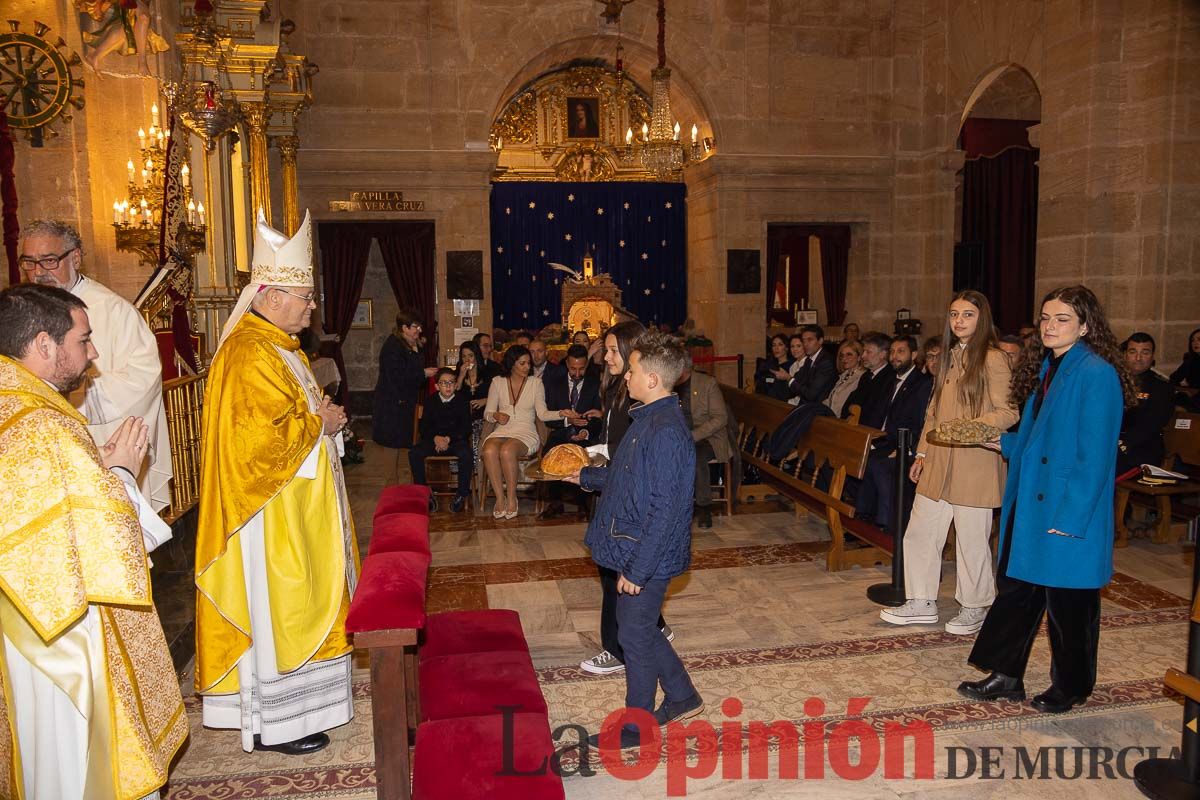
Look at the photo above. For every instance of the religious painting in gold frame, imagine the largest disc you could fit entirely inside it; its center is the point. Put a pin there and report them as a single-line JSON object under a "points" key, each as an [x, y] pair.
{"points": [[583, 118], [364, 316]]}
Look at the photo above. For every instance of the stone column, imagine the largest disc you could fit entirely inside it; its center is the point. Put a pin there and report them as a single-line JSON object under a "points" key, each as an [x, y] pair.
{"points": [[256, 115], [287, 146]]}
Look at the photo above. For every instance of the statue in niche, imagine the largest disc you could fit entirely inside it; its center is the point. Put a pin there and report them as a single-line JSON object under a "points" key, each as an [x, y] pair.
{"points": [[118, 26], [584, 164], [612, 9]]}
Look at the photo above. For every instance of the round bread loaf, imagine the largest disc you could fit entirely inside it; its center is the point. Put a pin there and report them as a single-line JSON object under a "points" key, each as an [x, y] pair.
{"points": [[565, 459]]}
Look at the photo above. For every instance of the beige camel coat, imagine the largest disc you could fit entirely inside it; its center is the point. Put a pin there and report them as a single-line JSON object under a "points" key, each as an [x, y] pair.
{"points": [[967, 476]]}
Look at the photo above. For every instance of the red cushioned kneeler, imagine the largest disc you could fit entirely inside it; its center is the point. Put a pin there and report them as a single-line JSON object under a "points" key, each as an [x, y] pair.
{"points": [[474, 684], [456, 632], [390, 593], [400, 532], [459, 759], [404, 497]]}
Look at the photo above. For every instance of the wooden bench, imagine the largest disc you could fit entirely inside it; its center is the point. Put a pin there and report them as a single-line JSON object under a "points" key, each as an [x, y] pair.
{"points": [[1182, 440], [835, 443], [460, 679]]}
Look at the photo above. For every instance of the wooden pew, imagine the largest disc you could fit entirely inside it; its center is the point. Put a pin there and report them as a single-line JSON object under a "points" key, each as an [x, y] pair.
{"points": [[840, 445]]}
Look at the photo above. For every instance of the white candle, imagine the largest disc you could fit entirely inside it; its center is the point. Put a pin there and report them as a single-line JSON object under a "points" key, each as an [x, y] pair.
{"points": [[154, 114], [129, 167], [200, 211], [141, 137], [116, 213], [145, 178], [677, 131], [695, 132], [185, 176], [153, 132], [191, 208], [628, 136], [645, 132]]}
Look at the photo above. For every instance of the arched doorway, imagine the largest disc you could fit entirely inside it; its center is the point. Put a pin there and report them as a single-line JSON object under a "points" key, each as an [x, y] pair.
{"points": [[996, 236]]}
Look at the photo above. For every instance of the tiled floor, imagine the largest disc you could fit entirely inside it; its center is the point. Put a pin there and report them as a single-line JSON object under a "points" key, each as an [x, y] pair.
{"points": [[758, 618]]}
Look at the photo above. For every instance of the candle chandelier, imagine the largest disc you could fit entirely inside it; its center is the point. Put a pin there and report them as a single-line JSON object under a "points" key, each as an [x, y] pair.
{"points": [[138, 216], [201, 104], [659, 149]]}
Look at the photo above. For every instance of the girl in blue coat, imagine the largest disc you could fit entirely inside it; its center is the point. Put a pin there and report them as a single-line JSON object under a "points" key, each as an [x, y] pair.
{"points": [[1057, 520]]}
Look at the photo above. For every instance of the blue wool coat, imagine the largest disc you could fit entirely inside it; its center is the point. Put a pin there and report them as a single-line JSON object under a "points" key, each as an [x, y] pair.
{"points": [[642, 526], [1060, 476]]}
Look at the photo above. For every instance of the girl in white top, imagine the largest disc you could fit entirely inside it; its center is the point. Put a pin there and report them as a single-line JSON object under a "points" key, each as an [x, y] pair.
{"points": [[515, 401]]}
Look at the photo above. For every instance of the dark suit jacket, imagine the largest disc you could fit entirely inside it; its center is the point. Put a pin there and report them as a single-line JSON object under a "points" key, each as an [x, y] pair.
{"points": [[873, 395], [558, 395], [906, 409], [814, 384], [552, 371], [451, 418], [1142, 426]]}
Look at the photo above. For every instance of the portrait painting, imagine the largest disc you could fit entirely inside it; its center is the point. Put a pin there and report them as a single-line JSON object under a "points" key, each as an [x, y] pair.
{"points": [[583, 117]]}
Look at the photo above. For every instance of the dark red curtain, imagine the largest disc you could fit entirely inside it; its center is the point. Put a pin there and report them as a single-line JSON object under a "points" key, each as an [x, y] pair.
{"points": [[408, 253], [835, 270], [344, 249], [835, 266], [784, 241], [8, 195], [999, 213]]}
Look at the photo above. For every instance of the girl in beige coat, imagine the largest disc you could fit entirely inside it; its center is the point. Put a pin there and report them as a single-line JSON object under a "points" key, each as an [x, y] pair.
{"points": [[958, 484]]}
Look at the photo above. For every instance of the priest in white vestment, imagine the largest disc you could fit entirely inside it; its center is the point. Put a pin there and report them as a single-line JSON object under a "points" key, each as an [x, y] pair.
{"points": [[125, 380], [276, 559], [92, 707]]}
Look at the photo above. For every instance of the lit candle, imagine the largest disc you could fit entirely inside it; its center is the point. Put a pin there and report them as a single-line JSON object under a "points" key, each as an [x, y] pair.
{"points": [[154, 114], [116, 213], [185, 176], [645, 132], [499, 143], [191, 208], [160, 140], [146, 214], [150, 164], [200, 212], [695, 132], [129, 167], [153, 132], [628, 136], [145, 178], [677, 131], [141, 137]]}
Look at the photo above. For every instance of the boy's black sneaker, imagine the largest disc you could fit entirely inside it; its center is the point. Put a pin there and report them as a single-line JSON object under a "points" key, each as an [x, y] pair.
{"points": [[459, 504], [630, 737], [674, 712]]}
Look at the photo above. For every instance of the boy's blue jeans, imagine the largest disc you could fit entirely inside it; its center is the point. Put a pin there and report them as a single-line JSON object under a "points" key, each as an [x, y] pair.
{"points": [[649, 657]]}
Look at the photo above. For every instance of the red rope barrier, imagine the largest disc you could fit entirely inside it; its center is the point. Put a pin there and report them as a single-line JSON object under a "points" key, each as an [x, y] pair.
{"points": [[714, 359]]}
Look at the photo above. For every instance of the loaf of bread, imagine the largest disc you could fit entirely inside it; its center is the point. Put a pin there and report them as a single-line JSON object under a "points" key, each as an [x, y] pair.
{"points": [[966, 431], [565, 459]]}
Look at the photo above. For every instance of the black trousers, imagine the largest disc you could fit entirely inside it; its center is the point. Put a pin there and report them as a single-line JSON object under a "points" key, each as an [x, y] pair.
{"points": [[704, 454], [877, 493], [608, 613], [460, 449], [1008, 632]]}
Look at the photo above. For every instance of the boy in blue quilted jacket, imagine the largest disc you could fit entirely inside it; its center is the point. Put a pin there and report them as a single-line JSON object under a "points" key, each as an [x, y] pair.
{"points": [[642, 529]]}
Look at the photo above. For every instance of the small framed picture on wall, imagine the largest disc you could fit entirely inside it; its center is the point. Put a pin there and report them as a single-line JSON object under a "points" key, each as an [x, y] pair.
{"points": [[364, 318]]}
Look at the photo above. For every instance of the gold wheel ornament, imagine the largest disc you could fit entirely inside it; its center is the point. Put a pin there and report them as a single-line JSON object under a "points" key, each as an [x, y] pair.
{"points": [[37, 81]]}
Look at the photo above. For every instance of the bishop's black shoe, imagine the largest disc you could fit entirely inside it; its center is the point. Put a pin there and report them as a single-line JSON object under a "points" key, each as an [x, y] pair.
{"points": [[299, 747], [1056, 701], [994, 687]]}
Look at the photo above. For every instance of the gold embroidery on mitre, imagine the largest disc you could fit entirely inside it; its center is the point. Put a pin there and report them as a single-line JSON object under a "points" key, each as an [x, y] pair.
{"points": [[279, 260]]}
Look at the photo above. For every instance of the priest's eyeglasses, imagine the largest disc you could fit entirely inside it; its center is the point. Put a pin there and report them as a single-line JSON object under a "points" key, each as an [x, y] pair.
{"points": [[46, 263], [307, 298]]}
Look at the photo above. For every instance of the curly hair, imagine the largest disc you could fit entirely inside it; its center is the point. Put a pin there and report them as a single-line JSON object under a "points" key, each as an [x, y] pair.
{"points": [[512, 355], [1099, 338]]}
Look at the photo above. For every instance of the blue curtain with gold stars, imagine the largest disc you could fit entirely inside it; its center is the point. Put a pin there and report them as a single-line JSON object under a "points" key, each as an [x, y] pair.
{"points": [[636, 231]]}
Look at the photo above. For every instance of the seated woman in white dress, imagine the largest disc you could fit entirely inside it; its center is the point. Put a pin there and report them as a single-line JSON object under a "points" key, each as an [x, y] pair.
{"points": [[515, 401]]}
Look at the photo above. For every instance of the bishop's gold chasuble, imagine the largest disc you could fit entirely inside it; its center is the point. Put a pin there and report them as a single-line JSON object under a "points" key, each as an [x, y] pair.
{"points": [[71, 546]]}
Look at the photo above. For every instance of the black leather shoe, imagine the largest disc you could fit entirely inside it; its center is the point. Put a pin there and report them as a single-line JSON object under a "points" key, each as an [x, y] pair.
{"points": [[1055, 701], [703, 517], [552, 511], [432, 504], [459, 504], [630, 737], [300, 747], [994, 687]]}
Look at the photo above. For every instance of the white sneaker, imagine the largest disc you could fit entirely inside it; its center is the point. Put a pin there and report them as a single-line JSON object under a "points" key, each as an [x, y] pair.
{"points": [[603, 664], [968, 621], [913, 612]]}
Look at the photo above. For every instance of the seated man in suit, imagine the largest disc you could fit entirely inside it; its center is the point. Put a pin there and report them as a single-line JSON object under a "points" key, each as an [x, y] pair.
{"points": [[815, 371], [906, 399], [705, 412], [1142, 426], [576, 388], [540, 365], [445, 431], [874, 391]]}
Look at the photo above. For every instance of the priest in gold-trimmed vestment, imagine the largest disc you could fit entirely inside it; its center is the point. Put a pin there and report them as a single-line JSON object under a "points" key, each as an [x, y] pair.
{"points": [[92, 707], [276, 560]]}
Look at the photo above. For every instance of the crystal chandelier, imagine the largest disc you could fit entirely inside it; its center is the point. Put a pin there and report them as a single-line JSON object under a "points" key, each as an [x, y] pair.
{"points": [[205, 108], [659, 149], [138, 216]]}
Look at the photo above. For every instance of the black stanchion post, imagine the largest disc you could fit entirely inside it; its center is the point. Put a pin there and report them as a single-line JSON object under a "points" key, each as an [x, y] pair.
{"points": [[741, 366], [1179, 778], [892, 594]]}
